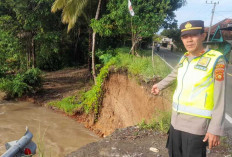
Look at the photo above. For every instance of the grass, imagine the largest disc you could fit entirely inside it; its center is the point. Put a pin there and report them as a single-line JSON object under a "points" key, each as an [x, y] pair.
{"points": [[139, 67], [142, 66], [68, 104], [40, 143], [160, 123]]}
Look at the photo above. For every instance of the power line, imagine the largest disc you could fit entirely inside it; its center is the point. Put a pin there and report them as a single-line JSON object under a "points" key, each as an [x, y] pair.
{"points": [[222, 15], [223, 11]]}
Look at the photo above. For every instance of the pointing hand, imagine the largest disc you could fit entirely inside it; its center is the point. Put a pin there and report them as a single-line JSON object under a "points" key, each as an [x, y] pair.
{"points": [[155, 90]]}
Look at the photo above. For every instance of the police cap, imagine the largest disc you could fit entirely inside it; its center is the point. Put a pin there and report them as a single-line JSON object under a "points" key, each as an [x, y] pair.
{"points": [[192, 27]]}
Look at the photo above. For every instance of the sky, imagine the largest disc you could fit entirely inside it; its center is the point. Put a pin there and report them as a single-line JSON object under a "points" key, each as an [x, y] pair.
{"points": [[199, 10]]}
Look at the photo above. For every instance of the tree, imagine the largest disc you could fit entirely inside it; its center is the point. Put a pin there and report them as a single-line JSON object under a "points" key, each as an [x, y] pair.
{"points": [[71, 11], [170, 21], [149, 15], [94, 42], [34, 27], [157, 38], [10, 48]]}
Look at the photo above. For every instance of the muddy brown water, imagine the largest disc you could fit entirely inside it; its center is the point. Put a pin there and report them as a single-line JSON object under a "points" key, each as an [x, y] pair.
{"points": [[55, 134]]}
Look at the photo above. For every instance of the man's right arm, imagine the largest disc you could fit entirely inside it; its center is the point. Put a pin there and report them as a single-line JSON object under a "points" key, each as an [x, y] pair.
{"points": [[156, 88]]}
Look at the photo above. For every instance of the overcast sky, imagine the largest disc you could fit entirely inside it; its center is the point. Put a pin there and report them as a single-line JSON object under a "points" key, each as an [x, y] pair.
{"points": [[199, 10]]}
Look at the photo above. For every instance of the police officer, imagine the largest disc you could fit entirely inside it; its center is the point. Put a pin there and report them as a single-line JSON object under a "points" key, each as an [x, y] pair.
{"points": [[198, 102]]}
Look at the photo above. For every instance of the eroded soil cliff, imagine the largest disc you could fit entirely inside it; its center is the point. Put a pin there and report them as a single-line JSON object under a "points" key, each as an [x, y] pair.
{"points": [[125, 103]]}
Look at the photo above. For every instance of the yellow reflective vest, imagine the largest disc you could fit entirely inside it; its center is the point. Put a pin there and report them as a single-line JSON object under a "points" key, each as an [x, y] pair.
{"points": [[195, 85]]}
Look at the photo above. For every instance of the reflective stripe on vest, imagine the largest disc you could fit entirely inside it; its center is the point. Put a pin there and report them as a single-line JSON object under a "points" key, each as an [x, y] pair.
{"points": [[192, 110], [195, 85]]}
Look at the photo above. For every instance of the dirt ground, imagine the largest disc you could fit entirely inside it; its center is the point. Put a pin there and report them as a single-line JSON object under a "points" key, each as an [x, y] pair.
{"points": [[62, 83], [117, 112], [127, 142], [134, 142]]}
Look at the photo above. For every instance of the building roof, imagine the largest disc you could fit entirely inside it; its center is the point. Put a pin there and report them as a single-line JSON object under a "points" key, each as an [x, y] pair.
{"points": [[227, 35]]}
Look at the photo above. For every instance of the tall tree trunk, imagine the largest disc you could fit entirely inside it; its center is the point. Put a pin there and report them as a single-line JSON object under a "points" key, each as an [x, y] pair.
{"points": [[28, 48], [29, 57], [93, 57], [94, 42], [90, 50], [33, 52], [133, 39], [76, 54], [134, 43], [132, 51]]}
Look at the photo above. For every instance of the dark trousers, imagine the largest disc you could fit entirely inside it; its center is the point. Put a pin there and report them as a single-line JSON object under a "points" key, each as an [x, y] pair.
{"points": [[182, 144]]}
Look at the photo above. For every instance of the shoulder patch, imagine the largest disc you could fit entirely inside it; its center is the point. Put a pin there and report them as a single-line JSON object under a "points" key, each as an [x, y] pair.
{"points": [[219, 75], [222, 66], [219, 72]]}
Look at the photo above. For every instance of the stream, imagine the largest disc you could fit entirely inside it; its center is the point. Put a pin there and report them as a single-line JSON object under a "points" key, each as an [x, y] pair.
{"points": [[55, 134]]}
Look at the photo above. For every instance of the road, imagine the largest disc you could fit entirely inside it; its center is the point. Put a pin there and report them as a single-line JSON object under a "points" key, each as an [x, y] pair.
{"points": [[172, 59]]}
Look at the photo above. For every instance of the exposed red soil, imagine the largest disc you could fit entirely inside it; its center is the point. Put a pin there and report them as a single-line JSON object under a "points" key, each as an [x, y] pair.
{"points": [[126, 103]]}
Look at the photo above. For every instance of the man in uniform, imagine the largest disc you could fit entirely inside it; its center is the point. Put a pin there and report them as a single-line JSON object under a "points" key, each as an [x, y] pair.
{"points": [[198, 102]]}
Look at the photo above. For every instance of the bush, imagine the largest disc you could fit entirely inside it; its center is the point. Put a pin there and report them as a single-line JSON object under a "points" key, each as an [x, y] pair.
{"points": [[32, 77], [2, 71], [21, 84], [49, 61], [15, 87], [105, 56]]}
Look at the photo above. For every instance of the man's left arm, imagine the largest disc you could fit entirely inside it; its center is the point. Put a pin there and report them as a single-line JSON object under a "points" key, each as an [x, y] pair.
{"points": [[216, 125]]}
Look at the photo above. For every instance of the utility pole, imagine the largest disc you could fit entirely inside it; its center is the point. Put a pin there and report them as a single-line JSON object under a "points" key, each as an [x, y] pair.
{"points": [[213, 10]]}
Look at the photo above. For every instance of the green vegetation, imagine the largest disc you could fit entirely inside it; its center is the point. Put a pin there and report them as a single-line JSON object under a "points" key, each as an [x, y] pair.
{"points": [[138, 67], [142, 66], [88, 101], [160, 123], [118, 21], [21, 83], [68, 104], [33, 37], [41, 149]]}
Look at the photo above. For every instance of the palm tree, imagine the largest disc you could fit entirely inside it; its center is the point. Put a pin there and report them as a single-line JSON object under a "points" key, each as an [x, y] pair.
{"points": [[72, 9]]}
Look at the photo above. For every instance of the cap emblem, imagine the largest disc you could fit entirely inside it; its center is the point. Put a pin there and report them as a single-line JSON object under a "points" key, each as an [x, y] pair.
{"points": [[188, 25]]}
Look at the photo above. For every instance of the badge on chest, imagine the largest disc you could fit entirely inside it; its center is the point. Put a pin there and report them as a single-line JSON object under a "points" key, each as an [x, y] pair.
{"points": [[203, 63]]}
